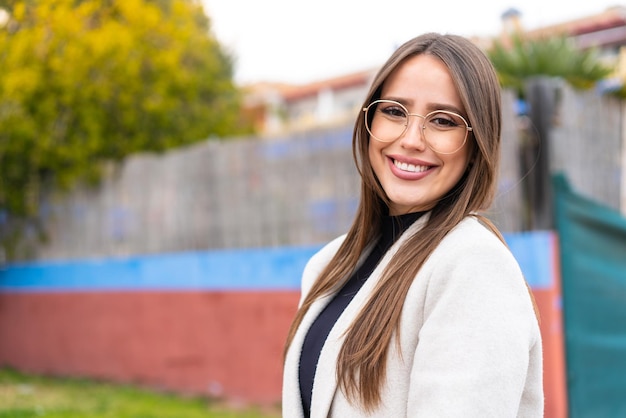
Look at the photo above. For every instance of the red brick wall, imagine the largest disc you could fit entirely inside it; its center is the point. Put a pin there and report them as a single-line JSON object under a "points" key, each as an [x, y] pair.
{"points": [[226, 344]]}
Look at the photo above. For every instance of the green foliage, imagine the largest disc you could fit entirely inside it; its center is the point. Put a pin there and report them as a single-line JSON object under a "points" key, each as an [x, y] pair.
{"points": [[24, 395], [88, 81], [554, 57]]}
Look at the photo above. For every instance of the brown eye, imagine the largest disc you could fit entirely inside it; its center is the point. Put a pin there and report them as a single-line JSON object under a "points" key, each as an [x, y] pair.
{"points": [[393, 112], [441, 120]]}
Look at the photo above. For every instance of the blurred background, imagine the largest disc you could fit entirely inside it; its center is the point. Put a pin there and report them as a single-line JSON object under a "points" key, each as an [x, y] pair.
{"points": [[167, 167]]}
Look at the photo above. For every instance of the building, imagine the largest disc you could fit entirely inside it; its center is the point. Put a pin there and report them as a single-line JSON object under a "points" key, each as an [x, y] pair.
{"points": [[282, 108], [278, 109]]}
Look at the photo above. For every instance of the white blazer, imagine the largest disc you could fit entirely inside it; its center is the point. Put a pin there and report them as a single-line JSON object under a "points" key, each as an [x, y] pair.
{"points": [[470, 344]]}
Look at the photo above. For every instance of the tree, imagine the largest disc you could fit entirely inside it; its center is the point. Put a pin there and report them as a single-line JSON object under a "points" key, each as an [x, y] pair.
{"points": [[89, 81], [555, 57]]}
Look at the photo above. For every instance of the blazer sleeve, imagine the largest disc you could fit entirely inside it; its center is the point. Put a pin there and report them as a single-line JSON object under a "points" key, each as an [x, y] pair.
{"points": [[479, 343]]}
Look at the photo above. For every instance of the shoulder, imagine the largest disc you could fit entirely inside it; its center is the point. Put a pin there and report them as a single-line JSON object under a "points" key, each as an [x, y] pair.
{"points": [[470, 241], [472, 257], [475, 273]]}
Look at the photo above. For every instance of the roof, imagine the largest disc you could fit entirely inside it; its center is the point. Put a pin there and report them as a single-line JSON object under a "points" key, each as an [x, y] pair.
{"points": [[611, 18], [361, 78], [262, 91]]}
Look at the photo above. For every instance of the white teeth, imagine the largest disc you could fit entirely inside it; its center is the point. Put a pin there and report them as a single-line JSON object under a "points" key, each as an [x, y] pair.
{"points": [[410, 167]]}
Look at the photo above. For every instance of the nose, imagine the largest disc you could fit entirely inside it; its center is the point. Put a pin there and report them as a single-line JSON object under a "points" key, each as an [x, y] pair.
{"points": [[414, 136]]}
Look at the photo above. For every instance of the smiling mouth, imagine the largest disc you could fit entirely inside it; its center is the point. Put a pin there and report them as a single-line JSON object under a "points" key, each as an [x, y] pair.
{"points": [[411, 168]]}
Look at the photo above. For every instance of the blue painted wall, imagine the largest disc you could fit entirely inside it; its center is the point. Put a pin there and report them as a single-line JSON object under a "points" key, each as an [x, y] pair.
{"points": [[223, 270]]}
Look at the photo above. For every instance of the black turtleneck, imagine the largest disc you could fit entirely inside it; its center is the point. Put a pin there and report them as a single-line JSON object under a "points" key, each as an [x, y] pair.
{"points": [[392, 228]]}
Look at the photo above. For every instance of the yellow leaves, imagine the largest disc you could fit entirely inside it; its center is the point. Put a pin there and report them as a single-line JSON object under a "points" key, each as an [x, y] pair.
{"points": [[16, 83], [19, 11], [143, 16], [90, 80]]}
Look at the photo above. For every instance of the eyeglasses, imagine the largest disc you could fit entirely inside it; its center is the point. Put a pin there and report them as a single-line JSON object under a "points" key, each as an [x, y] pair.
{"points": [[444, 132]]}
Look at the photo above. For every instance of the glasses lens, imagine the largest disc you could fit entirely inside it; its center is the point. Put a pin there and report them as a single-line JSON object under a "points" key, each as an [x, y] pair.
{"points": [[386, 120], [445, 131]]}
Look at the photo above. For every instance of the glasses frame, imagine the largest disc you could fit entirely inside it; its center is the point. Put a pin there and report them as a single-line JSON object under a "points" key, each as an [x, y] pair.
{"points": [[406, 125]]}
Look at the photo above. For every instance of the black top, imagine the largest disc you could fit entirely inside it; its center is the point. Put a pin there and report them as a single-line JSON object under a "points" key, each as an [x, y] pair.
{"points": [[393, 227]]}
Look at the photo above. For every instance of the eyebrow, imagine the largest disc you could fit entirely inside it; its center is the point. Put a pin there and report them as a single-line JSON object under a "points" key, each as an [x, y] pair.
{"points": [[430, 106]]}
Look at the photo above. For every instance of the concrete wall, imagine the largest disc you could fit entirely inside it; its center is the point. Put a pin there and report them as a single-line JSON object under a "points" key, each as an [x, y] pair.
{"points": [[300, 189]]}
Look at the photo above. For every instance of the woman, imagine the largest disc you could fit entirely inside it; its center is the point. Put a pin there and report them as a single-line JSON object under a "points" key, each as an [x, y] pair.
{"points": [[419, 310]]}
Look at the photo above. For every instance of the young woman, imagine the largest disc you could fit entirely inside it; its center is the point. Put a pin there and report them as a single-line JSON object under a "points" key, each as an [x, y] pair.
{"points": [[420, 310]]}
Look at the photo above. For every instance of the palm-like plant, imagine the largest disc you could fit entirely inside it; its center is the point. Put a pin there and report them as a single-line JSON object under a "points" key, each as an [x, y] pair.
{"points": [[553, 57]]}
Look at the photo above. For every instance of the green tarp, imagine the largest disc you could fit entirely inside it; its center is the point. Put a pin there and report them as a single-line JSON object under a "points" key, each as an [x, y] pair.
{"points": [[593, 266]]}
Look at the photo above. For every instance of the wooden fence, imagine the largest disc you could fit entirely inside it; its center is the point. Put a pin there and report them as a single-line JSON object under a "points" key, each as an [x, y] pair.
{"points": [[303, 189]]}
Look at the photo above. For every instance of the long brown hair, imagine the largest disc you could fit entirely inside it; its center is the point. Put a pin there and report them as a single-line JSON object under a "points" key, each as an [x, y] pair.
{"points": [[362, 360]]}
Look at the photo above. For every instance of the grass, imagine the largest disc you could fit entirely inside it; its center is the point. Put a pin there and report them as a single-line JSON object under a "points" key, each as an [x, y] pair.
{"points": [[28, 396]]}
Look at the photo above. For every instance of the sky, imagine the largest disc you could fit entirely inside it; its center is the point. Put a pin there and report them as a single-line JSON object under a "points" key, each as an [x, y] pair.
{"points": [[297, 42]]}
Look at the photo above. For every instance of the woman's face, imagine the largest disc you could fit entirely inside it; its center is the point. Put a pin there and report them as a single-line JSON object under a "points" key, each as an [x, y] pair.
{"points": [[414, 176]]}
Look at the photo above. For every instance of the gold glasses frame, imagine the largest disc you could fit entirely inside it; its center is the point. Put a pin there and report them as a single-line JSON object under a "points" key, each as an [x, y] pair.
{"points": [[406, 124]]}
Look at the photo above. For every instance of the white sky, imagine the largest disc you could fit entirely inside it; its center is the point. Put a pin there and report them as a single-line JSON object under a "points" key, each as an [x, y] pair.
{"points": [[297, 41]]}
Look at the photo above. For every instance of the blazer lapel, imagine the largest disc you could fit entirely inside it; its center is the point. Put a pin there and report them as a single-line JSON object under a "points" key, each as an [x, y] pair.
{"points": [[291, 393], [325, 384]]}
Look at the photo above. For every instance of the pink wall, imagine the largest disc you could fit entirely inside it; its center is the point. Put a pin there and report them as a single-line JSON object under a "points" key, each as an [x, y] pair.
{"points": [[226, 344], [223, 344]]}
